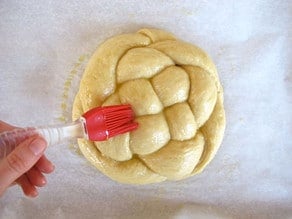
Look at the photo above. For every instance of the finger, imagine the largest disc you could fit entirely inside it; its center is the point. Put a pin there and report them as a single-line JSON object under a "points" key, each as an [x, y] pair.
{"points": [[36, 178], [44, 165], [20, 161], [5, 127], [27, 187]]}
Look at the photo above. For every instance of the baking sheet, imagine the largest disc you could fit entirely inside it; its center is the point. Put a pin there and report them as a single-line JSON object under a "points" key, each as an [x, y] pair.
{"points": [[44, 46]]}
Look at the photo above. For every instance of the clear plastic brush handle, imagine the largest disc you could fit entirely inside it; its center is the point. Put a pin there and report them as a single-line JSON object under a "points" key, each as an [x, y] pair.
{"points": [[53, 135]]}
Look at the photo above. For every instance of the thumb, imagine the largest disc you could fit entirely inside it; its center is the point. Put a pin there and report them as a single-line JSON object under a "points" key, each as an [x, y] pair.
{"points": [[20, 160]]}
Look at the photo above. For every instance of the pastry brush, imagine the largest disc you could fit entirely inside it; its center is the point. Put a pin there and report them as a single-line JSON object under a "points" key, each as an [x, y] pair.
{"points": [[97, 124]]}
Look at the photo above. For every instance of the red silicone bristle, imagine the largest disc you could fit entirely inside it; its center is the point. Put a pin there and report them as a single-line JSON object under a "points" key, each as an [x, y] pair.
{"points": [[112, 118], [123, 129], [118, 116], [119, 119], [104, 122]]}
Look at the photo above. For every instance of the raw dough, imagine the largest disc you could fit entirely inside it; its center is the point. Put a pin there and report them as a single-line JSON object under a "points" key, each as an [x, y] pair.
{"points": [[174, 89]]}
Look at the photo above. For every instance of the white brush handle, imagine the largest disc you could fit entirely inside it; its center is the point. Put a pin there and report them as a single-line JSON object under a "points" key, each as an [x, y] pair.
{"points": [[53, 135]]}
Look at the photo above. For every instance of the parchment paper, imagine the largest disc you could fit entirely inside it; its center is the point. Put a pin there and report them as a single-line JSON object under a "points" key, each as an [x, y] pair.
{"points": [[45, 44]]}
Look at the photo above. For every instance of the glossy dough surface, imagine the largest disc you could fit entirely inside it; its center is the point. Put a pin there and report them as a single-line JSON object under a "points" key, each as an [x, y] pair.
{"points": [[175, 92]]}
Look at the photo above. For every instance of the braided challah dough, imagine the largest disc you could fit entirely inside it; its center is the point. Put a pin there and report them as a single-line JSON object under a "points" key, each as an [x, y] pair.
{"points": [[175, 92]]}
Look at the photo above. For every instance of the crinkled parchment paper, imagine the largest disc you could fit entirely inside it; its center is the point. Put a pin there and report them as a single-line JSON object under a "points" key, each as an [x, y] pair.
{"points": [[44, 46]]}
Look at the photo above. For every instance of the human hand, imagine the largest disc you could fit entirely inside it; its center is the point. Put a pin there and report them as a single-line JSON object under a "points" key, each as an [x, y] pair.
{"points": [[25, 165]]}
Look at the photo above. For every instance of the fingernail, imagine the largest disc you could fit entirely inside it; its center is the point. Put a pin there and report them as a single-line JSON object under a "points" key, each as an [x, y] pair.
{"points": [[33, 194], [37, 146], [43, 181]]}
